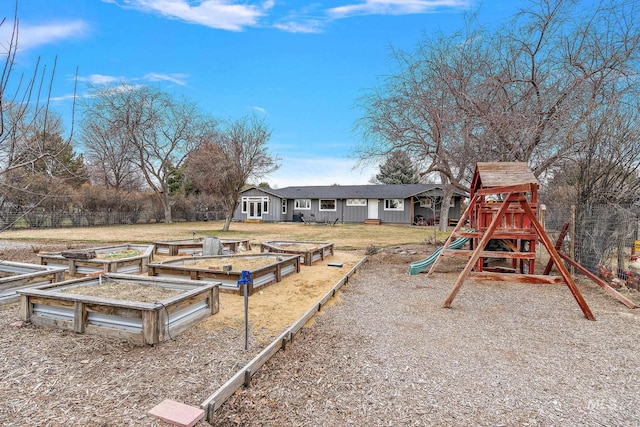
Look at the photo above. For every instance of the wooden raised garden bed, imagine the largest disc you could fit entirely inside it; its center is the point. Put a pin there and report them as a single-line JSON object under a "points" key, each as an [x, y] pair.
{"points": [[140, 309], [194, 246], [309, 252], [125, 258], [264, 268], [17, 275]]}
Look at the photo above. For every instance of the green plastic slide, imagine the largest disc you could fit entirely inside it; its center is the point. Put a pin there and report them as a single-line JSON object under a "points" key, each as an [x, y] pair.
{"points": [[420, 266]]}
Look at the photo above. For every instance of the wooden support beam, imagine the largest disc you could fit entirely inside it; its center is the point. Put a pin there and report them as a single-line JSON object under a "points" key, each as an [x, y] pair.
{"points": [[491, 254], [604, 285], [546, 241], [476, 253], [511, 189], [563, 234], [458, 226], [516, 277]]}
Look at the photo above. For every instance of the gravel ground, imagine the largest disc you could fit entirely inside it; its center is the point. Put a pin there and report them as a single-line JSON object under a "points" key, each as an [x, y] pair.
{"points": [[385, 354], [503, 355]]}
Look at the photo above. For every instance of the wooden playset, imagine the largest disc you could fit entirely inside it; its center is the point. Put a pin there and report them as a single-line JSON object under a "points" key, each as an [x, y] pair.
{"points": [[502, 213]]}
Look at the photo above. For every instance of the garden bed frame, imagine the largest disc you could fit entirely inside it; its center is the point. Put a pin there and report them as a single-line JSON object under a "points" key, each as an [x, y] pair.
{"points": [[138, 322], [282, 266], [307, 256], [93, 266], [23, 276], [194, 246]]}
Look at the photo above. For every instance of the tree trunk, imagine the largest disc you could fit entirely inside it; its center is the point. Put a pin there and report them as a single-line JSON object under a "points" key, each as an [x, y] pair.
{"points": [[166, 204], [227, 222], [447, 195]]}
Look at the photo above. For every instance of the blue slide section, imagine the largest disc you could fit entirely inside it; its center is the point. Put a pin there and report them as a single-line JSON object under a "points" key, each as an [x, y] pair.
{"points": [[420, 266]]}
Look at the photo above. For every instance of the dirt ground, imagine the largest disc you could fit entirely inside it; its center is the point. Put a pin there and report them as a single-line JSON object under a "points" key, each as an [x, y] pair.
{"points": [[56, 378], [297, 292]]}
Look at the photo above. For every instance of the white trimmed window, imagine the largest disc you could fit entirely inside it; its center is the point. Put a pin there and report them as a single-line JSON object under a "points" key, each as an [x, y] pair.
{"points": [[393, 204], [284, 206], [356, 202], [263, 200], [328, 205], [302, 204], [426, 203]]}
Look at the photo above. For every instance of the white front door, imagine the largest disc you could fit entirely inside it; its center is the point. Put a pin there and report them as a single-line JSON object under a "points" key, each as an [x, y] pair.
{"points": [[254, 209], [372, 209]]}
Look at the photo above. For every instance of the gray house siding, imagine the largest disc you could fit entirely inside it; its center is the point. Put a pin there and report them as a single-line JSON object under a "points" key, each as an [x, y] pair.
{"points": [[319, 215], [274, 206], [353, 213], [252, 207], [396, 217]]}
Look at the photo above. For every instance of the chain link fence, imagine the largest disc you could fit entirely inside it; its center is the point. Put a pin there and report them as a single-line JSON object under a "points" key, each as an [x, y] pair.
{"points": [[602, 238], [41, 219]]}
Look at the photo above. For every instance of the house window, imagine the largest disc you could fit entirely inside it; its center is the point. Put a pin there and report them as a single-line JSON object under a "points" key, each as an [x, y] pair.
{"points": [[302, 204], [425, 203], [393, 204], [284, 206], [328, 204], [356, 202], [255, 201]]}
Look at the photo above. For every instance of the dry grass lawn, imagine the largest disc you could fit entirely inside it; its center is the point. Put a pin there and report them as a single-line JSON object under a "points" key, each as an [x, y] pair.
{"points": [[344, 236]]}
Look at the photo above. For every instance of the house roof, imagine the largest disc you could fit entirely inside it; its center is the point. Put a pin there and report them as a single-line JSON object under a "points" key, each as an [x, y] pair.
{"points": [[398, 191]]}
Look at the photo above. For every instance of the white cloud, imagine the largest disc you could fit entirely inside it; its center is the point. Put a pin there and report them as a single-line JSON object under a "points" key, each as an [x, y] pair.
{"points": [[177, 78], [307, 26], [260, 110], [302, 171], [312, 20], [100, 79], [396, 7], [32, 36], [221, 14]]}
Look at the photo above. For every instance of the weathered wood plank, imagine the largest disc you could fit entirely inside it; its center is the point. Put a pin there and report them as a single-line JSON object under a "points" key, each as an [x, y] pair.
{"points": [[79, 317], [504, 189], [475, 256], [213, 402], [604, 285], [139, 322], [490, 254], [495, 174], [150, 327], [517, 277], [559, 241], [544, 237]]}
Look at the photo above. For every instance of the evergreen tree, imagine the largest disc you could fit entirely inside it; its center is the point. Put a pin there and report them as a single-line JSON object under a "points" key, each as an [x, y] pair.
{"points": [[397, 169]]}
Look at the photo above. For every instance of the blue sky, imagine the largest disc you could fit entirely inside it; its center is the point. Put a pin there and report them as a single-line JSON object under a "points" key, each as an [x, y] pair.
{"points": [[300, 65]]}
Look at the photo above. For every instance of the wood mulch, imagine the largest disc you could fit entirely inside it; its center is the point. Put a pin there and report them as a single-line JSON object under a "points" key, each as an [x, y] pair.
{"points": [[122, 290], [385, 353], [237, 264]]}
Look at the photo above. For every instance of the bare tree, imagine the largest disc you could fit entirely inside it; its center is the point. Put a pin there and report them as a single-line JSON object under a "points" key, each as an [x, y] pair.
{"points": [[223, 165], [416, 110], [109, 153], [30, 134], [160, 130], [528, 91]]}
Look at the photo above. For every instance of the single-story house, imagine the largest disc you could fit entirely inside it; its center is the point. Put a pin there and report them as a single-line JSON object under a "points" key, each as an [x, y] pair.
{"points": [[399, 204]]}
